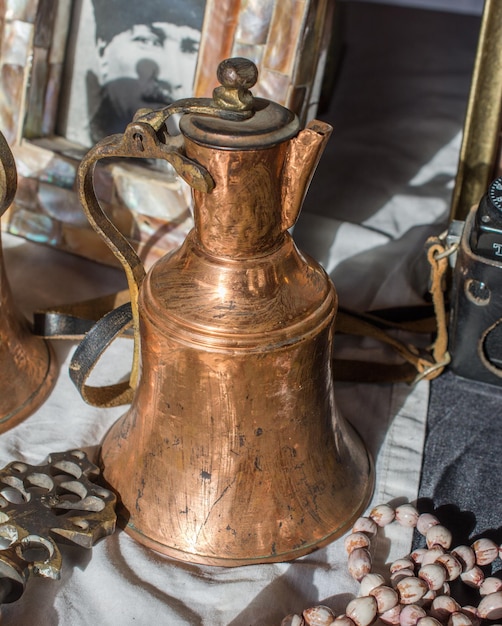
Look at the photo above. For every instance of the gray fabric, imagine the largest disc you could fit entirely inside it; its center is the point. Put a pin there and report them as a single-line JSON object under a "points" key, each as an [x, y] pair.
{"points": [[460, 475]]}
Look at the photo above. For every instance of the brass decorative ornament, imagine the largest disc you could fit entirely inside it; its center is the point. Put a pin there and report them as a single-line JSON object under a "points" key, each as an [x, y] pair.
{"points": [[233, 451], [42, 503], [27, 363]]}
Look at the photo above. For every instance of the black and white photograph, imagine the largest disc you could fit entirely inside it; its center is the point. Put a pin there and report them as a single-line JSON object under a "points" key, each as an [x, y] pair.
{"points": [[124, 57]]}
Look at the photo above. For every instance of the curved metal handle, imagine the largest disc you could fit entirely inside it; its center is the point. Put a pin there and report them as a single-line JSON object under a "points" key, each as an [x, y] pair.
{"points": [[140, 140], [8, 176]]}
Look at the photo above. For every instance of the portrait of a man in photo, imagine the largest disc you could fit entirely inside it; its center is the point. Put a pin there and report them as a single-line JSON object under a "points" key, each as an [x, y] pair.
{"points": [[147, 56], [124, 56]]}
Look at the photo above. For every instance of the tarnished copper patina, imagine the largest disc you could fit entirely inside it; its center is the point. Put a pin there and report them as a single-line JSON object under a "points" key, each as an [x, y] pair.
{"points": [[27, 363], [233, 451]]}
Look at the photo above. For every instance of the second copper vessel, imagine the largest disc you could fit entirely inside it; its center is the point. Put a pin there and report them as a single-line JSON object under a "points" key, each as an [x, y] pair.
{"points": [[28, 365], [233, 450]]}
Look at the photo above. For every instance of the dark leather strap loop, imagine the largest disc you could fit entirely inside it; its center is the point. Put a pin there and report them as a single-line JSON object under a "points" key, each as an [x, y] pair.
{"points": [[88, 353], [73, 320]]}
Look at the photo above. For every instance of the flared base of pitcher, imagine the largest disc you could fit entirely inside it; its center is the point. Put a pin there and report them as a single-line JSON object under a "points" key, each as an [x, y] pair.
{"points": [[227, 558], [42, 383]]}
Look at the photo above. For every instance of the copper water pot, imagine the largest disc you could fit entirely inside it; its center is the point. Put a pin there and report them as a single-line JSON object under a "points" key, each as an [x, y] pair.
{"points": [[27, 363], [233, 451]]}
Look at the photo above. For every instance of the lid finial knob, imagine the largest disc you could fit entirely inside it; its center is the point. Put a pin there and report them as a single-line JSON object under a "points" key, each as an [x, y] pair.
{"points": [[236, 76]]}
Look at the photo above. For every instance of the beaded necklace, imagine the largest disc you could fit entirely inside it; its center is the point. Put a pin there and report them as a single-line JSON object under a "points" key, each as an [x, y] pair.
{"points": [[418, 593]]}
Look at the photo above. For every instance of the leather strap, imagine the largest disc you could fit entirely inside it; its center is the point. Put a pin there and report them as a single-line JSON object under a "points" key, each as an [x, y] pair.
{"points": [[88, 353], [437, 255], [351, 371], [98, 323], [74, 320], [418, 364], [116, 323]]}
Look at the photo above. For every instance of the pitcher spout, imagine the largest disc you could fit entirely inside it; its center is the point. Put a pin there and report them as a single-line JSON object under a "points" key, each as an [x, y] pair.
{"points": [[304, 152]]}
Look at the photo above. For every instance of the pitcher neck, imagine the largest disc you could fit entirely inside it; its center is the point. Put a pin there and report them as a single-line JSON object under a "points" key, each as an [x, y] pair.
{"points": [[242, 216]]}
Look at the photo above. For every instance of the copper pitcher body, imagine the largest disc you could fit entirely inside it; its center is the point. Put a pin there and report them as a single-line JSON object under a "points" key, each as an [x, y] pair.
{"points": [[233, 451], [239, 453]]}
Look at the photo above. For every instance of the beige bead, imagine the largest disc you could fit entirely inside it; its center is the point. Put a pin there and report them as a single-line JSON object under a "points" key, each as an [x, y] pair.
{"points": [[490, 606], [407, 515], [451, 564], [382, 514], [490, 585], [466, 556], [386, 598], [438, 535], [442, 607], [362, 611], [472, 613], [411, 590], [391, 617], [432, 555], [401, 564], [434, 575], [400, 575], [343, 620], [365, 525], [428, 621], [429, 597], [426, 521], [359, 563], [459, 619], [369, 582], [356, 540], [318, 616], [473, 577], [293, 620], [486, 551], [410, 614], [417, 555]]}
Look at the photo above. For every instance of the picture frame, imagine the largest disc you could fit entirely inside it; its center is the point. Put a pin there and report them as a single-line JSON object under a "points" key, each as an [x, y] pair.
{"points": [[151, 206]]}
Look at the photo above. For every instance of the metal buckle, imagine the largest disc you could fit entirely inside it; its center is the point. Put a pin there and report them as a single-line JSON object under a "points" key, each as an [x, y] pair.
{"points": [[433, 368]]}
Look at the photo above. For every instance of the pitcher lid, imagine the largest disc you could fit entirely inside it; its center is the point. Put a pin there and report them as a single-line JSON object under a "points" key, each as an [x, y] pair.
{"points": [[267, 124]]}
